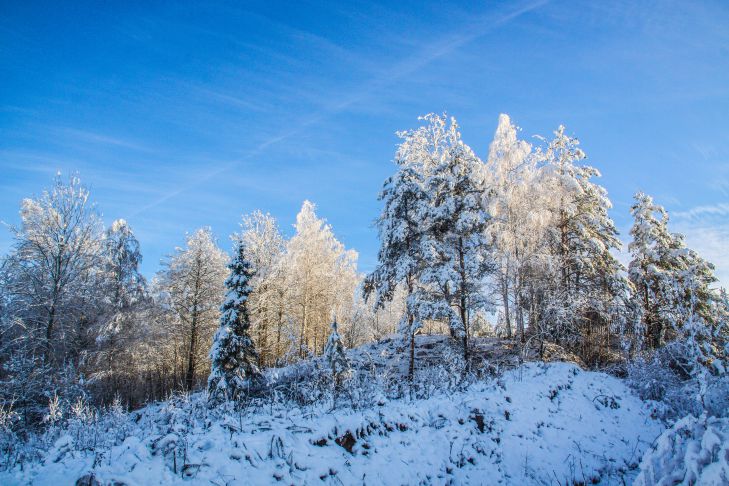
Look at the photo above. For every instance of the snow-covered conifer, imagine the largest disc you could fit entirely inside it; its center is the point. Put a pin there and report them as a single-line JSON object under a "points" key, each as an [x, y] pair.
{"points": [[336, 358], [673, 286], [234, 358], [334, 352], [400, 225], [457, 253], [583, 279]]}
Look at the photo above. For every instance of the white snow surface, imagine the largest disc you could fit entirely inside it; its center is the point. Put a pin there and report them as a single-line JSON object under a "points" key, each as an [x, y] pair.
{"points": [[541, 423]]}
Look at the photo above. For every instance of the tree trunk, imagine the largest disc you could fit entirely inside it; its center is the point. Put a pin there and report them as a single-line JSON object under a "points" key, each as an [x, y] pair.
{"points": [[463, 299], [411, 367], [49, 332], [505, 298], [302, 335], [190, 374]]}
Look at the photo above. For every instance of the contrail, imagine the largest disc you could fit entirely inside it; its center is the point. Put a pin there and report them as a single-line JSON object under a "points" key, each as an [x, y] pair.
{"points": [[409, 66]]}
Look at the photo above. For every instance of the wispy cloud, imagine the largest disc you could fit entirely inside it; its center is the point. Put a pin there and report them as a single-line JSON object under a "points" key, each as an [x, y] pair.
{"points": [[421, 58], [87, 136], [720, 209]]}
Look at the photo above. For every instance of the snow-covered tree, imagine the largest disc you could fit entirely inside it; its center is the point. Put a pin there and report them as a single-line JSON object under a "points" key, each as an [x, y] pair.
{"points": [[234, 359], [193, 282], [122, 257], [57, 251], [585, 279], [124, 296], [51, 286], [401, 258], [334, 352], [323, 278], [672, 282], [265, 247], [456, 251], [336, 358], [513, 197]]}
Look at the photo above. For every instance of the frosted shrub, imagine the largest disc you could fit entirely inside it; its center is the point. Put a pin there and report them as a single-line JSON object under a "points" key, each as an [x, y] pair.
{"points": [[9, 441], [678, 386], [55, 411], [693, 451], [446, 376]]}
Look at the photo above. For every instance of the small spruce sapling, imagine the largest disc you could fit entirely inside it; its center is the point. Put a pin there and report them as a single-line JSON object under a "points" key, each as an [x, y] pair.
{"points": [[337, 359]]}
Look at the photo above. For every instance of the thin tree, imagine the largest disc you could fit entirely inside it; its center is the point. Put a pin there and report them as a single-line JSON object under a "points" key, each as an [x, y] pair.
{"points": [[194, 285]]}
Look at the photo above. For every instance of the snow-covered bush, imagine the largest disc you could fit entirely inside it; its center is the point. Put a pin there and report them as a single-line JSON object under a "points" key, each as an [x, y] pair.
{"points": [[678, 384], [9, 440], [695, 451]]}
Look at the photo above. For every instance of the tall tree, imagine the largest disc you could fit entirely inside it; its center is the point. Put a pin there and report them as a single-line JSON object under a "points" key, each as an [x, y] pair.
{"points": [[57, 250], [194, 283], [233, 355], [265, 247], [457, 253], [324, 279], [401, 260], [586, 278], [124, 292], [671, 281], [516, 227]]}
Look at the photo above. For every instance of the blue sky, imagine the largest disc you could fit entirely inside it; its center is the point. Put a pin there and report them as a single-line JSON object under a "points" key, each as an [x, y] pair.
{"points": [[180, 115]]}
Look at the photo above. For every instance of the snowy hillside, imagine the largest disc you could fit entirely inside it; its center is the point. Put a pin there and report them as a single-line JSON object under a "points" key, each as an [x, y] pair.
{"points": [[536, 424]]}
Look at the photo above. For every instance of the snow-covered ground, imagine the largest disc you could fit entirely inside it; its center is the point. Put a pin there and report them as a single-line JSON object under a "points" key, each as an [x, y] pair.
{"points": [[536, 424]]}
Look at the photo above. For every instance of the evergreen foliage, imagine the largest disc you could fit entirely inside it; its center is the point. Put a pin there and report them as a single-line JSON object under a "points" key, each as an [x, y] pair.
{"points": [[233, 356]]}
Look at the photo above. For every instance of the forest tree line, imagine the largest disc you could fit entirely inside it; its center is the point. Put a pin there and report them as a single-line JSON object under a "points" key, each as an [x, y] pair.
{"points": [[519, 244]]}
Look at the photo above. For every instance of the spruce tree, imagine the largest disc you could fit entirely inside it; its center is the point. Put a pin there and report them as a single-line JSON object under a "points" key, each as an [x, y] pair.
{"points": [[233, 355], [336, 358], [334, 352]]}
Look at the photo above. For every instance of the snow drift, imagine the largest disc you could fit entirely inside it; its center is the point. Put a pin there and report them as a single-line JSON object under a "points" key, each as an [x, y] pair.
{"points": [[536, 424]]}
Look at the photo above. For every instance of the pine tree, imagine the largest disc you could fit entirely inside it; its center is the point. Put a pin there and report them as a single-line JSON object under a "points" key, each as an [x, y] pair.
{"points": [[673, 287], [457, 254], [233, 355], [336, 358], [400, 225], [653, 270], [586, 279]]}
